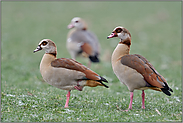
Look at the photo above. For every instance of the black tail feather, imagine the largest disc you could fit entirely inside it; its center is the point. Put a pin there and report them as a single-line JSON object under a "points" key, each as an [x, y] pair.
{"points": [[104, 84], [103, 79], [94, 58], [166, 89], [170, 89]]}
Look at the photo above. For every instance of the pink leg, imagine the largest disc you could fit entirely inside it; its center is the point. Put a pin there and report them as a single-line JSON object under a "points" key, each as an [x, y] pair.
{"points": [[143, 99], [131, 100], [67, 100], [79, 88]]}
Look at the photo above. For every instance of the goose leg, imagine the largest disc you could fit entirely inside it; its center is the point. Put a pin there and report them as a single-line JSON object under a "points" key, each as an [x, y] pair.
{"points": [[131, 100], [143, 99], [79, 88], [67, 100]]}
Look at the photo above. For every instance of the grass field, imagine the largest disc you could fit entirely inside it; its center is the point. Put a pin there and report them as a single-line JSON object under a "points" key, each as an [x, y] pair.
{"points": [[156, 34]]}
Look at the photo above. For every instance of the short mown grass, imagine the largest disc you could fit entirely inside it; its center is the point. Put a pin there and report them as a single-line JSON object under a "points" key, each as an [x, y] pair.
{"points": [[156, 34]]}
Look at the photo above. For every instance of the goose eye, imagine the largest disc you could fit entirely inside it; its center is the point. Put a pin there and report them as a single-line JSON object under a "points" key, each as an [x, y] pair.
{"points": [[44, 43], [118, 30], [76, 21]]}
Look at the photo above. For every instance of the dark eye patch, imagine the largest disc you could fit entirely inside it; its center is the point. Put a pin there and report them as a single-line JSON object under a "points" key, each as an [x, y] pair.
{"points": [[118, 30], [44, 43]]}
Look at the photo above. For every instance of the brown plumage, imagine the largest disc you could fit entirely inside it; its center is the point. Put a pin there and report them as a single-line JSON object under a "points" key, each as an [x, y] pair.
{"points": [[135, 71], [86, 47], [74, 65], [64, 73]]}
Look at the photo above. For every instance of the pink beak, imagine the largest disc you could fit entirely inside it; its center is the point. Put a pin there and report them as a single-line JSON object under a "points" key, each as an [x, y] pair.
{"points": [[70, 26], [111, 35]]}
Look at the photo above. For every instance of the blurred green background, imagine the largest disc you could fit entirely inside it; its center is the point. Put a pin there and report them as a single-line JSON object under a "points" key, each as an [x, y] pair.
{"points": [[156, 34]]}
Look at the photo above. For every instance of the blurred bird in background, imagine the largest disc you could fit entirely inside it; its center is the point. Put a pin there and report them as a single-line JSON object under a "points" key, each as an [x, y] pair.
{"points": [[82, 41]]}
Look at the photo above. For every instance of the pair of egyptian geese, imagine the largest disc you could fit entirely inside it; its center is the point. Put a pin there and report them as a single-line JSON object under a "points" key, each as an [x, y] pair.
{"points": [[134, 71]]}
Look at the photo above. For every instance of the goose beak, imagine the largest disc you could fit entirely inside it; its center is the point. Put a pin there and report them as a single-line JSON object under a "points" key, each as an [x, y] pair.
{"points": [[70, 26], [111, 35], [37, 49]]}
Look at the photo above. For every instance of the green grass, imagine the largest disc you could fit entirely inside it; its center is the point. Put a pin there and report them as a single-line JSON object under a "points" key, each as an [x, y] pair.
{"points": [[156, 34]]}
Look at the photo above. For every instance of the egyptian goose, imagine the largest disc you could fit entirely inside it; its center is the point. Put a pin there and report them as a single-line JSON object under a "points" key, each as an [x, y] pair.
{"points": [[64, 73], [135, 71], [81, 40]]}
